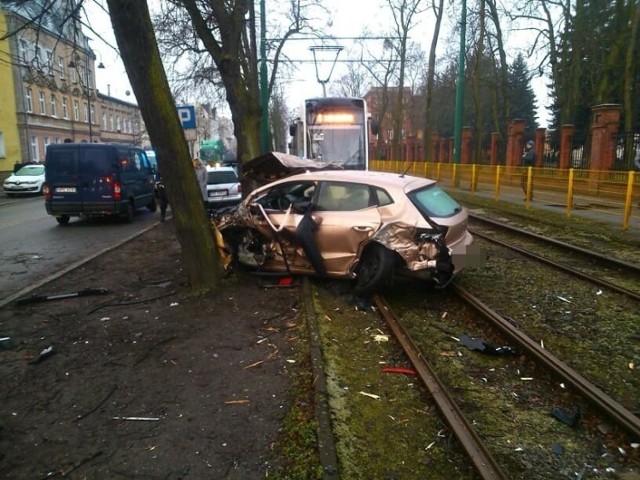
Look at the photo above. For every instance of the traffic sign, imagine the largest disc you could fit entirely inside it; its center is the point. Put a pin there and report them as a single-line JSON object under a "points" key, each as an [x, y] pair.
{"points": [[187, 114]]}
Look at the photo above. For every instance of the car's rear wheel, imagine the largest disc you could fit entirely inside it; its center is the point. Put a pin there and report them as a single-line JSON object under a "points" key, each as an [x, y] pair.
{"points": [[374, 270], [63, 219], [129, 214]]}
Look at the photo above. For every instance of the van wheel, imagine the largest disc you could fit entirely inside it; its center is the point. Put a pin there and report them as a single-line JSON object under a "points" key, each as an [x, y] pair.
{"points": [[153, 205], [374, 271], [63, 219], [128, 216]]}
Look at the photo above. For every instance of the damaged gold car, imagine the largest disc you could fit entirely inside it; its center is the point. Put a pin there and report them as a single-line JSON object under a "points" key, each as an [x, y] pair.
{"points": [[361, 225]]}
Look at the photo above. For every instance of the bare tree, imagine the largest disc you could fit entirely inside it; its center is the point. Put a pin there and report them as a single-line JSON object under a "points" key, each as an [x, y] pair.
{"points": [[403, 12], [438, 10], [134, 33]]}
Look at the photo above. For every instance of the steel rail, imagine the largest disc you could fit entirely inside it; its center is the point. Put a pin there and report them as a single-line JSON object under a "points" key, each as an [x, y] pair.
{"points": [[484, 463], [560, 266], [614, 261], [607, 405]]}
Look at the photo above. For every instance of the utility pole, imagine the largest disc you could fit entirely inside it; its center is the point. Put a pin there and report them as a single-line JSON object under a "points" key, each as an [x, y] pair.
{"points": [[457, 131], [264, 85]]}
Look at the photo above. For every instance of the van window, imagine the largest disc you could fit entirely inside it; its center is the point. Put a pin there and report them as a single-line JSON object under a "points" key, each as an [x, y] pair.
{"points": [[96, 161], [63, 162]]}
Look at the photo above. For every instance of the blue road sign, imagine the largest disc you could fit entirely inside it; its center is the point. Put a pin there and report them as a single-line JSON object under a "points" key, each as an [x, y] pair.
{"points": [[187, 114]]}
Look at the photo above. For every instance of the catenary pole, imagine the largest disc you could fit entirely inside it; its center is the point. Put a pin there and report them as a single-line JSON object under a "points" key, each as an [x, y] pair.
{"points": [[457, 131], [264, 93]]}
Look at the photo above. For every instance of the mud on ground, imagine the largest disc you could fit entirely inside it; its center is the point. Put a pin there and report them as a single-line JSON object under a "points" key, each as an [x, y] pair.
{"points": [[146, 381]]}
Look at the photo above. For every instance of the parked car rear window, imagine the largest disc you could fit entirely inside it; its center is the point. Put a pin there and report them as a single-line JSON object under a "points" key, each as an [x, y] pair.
{"points": [[226, 176], [434, 202]]}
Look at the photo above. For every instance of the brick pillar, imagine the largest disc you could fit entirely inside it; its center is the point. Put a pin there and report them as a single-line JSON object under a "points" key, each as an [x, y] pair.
{"points": [[442, 151], [493, 155], [435, 148], [566, 145], [605, 123], [540, 140], [514, 142], [465, 150]]}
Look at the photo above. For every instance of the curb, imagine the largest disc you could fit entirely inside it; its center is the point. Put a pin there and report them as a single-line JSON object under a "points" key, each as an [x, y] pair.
{"points": [[326, 445]]}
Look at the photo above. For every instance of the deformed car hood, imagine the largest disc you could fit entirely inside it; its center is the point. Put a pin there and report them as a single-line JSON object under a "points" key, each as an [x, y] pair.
{"points": [[272, 166]]}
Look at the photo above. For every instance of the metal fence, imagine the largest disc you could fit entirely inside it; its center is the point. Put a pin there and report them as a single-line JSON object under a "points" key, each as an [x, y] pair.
{"points": [[610, 195]]}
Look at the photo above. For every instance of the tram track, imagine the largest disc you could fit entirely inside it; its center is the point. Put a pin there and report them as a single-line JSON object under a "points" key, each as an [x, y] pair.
{"points": [[617, 268]]}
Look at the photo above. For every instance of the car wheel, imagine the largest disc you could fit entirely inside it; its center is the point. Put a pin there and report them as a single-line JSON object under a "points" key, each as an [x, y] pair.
{"points": [[153, 205], [374, 270], [128, 216], [63, 219]]}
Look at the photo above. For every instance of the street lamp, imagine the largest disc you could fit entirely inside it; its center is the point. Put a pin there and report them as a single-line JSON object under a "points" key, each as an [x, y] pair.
{"points": [[86, 89]]}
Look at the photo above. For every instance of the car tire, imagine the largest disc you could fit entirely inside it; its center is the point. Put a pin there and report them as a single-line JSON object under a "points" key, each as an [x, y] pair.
{"points": [[153, 205], [129, 214], [374, 269], [63, 219]]}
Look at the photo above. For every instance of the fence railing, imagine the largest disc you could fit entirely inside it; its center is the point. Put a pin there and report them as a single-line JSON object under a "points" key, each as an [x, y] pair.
{"points": [[608, 193]]}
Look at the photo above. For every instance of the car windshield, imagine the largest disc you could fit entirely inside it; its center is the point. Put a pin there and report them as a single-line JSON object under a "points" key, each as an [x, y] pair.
{"points": [[31, 171], [225, 176], [432, 201]]}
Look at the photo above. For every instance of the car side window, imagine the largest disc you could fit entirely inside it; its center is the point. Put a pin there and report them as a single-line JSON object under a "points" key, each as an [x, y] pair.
{"points": [[298, 194], [144, 161], [344, 197], [383, 198]]}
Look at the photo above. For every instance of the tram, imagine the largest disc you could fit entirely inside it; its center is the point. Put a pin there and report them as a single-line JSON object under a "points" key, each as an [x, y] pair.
{"points": [[333, 130]]}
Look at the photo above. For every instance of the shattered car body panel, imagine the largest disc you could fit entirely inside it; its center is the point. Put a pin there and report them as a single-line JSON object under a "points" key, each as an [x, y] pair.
{"points": [[336, 223]]}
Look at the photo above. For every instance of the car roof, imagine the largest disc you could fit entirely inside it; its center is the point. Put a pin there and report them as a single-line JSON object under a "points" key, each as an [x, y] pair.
{"points": [[220, 169], [385, 180]]}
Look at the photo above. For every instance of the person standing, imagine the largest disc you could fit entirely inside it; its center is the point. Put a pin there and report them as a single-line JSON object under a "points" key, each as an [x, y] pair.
{"points": [[201, 175], [528, 160]]}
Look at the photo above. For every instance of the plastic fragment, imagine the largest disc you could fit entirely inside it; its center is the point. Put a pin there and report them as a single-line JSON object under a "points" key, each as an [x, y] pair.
{"points": [[482, 346], [6, 342], [406, 371], [568, 419], [47, 352], [139, 419], [558, 449], [564, 299], [370, 395], [381, 338]]}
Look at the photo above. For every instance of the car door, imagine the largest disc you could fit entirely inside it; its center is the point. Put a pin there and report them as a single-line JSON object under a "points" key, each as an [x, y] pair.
{"points": [[347, 217]]}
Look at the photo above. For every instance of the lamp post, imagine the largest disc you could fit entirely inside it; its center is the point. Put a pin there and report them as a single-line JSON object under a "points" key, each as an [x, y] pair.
{"points": [[86, 89]]}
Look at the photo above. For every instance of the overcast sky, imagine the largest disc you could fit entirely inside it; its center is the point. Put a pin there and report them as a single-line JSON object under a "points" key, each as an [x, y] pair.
{"points": [[349, 18]]}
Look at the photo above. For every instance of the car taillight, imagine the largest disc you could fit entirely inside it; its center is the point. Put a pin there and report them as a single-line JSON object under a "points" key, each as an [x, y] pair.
{"points": [[117, 191], [46, 191], [239, 188]]}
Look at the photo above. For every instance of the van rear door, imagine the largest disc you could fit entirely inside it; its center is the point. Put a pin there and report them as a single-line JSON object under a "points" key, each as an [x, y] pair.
{"points": [[62, 174], [99, 178]]}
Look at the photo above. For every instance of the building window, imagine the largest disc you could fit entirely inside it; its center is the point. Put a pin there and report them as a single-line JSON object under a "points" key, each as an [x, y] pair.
{"points": [[29, 100], [111, 122], [104, 121], [35, 156], [61, 66], [74, 75], [24, 51], [76, 110], [92, 115], [46, 144], [43, 106], [118, 124], [65, 110], [54, 109], [85, 111], [49, 54]]}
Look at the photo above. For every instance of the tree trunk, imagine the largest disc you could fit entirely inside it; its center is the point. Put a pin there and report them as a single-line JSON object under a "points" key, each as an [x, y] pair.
{"points": [[431, 75], [135, 37]]}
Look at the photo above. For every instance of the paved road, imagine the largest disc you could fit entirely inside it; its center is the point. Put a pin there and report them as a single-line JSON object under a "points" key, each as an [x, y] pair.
{"points": [[34, 246]]}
